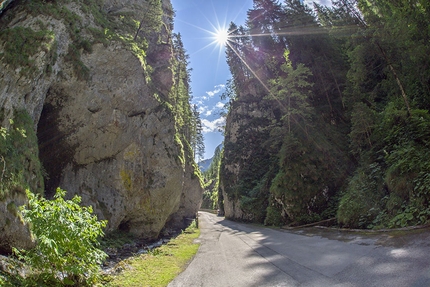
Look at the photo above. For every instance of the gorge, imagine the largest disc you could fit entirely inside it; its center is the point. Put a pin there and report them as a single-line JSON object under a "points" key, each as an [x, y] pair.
{"points": [[328, 115]]}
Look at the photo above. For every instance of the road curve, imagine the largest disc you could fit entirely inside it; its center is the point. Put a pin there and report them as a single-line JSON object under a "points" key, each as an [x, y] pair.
{"points": [[234, 254]]}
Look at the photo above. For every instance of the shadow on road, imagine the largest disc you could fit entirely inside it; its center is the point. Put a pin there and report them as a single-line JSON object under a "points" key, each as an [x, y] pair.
{"points": [[328, 257]]}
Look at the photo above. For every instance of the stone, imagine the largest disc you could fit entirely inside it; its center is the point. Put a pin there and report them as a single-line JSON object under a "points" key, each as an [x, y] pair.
{"points": [[13, 231], [106, 135]]}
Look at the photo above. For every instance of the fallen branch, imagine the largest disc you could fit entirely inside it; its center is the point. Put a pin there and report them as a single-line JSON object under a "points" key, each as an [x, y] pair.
{"points": [[310, 224]]}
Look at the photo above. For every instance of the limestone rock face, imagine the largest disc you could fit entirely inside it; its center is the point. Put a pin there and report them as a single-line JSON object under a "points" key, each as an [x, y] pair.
{"points": [[13, 231], [191, 199], [107, 136], [245, 153], [117, 144]]}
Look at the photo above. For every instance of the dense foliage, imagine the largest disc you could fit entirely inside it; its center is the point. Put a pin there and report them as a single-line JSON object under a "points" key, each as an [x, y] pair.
{"points": [[187, 117], [67, 236], [337, 122], [211, 181]]}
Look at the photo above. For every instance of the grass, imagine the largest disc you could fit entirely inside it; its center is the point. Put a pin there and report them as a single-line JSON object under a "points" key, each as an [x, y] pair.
{"points": [[159, 266]]}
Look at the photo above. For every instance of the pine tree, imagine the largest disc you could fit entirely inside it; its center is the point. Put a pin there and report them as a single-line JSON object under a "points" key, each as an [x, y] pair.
{"points": [[188, 122], [236, 55]]}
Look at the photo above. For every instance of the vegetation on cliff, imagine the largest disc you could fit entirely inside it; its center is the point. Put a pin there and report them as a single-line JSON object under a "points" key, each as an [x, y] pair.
{"points": [[48, 46], [211, 181], [330, 117], [20, 167], [187, 117]]}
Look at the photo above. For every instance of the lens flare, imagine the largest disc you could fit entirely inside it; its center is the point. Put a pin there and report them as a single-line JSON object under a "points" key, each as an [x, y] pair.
{"points": [[221, 36]]}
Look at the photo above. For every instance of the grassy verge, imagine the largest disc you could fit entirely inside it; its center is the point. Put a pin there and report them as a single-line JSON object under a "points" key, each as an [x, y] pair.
{"points": [[161, 265]]}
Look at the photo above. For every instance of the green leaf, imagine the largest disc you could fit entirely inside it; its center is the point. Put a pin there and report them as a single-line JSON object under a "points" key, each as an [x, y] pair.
{"points": [[67, 281], [67, 235]]}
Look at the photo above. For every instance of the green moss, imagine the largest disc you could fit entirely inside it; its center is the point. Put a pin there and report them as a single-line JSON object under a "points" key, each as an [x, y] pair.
{"points": [[74, 57], [11, 207], [19, 157], [114, 27], [126, 179], [23, 43], [181, 155]]}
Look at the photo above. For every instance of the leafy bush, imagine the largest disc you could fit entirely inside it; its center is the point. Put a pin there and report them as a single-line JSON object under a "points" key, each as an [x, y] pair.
{"points": [[391, 186], [117, 239], [67, 250], [274, 214], [407, 147], [408, 171], [411, 215], [360, 204]]}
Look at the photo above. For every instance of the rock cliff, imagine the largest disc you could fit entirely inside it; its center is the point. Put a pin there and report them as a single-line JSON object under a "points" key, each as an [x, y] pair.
{"points": [[95, 78], [246, 155]]}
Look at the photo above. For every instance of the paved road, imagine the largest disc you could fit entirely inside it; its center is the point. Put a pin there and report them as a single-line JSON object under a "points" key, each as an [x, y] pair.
{"points": [[233, 254]]}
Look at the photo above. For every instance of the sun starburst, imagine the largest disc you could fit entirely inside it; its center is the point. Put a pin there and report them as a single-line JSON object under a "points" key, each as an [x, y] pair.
{"points": [[221, 36]]}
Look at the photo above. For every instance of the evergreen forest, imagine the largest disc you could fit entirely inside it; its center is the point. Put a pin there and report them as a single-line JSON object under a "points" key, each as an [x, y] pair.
{"points": [[328, 115]]}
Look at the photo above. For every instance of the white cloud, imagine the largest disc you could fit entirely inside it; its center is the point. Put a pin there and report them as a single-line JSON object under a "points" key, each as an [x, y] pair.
{"points": [[220, 105], [212, 126], [319, 2], [208, 113], [202, 109], [217, 89]]}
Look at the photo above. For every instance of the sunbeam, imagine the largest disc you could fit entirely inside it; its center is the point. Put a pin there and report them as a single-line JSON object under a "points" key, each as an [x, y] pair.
{"points": [[246, 64], [221, 36]]}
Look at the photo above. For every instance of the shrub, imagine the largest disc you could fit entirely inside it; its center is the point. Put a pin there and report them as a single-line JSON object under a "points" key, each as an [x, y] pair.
{"points": [[67, 235], [362, 201], [274, 214]]}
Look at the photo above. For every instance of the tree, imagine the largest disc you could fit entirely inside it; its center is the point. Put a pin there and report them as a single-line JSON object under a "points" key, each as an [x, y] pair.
{"points": [[291, 92], [346, 112], [235, 55], [197, 140], [211, 179], [265, 31], [187, 117]]}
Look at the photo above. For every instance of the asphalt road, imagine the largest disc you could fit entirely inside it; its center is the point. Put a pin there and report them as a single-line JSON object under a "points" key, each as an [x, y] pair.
{"points": [[234, 254]]}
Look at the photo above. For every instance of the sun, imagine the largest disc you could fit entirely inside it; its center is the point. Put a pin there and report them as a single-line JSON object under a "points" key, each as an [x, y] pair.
{"points": [[221, 36]]}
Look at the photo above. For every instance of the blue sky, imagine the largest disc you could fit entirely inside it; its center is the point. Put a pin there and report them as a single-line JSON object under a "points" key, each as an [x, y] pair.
{"points": [[197, 21]]}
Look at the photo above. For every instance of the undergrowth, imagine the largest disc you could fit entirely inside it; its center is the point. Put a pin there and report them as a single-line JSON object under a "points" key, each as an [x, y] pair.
{"points": [[159, 266]]}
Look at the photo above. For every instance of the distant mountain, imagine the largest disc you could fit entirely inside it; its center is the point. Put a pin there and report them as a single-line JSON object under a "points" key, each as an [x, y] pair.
{"points": [[205, 164]]}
